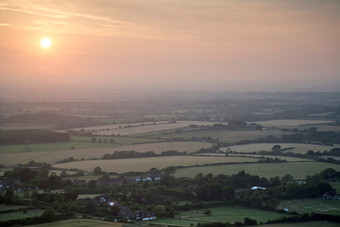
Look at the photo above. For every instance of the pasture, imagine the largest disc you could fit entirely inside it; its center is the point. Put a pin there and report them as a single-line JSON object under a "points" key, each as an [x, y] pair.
{"points": [[299, 170], [226, 136], [220, 214], [4, 207], [161, 117], [145, 164], [304, 224], [80, 223], [117, 140], [26, 126], [301, 148], [287, 123], [20, 215], [10, 158], [323, 128], [336, 185], [52, 146], [137, 128], [286, 158], [322, 206]]}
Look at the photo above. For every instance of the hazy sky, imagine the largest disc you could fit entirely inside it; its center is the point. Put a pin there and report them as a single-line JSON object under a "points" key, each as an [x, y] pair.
{"points": [[253, 44]]}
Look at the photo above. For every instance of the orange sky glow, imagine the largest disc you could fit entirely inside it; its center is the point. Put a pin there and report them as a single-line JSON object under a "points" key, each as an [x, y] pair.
{"points": [[224, 44]]}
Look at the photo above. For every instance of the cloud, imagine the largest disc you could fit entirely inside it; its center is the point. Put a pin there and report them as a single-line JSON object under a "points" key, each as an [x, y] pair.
{"points": [[56, 17]]}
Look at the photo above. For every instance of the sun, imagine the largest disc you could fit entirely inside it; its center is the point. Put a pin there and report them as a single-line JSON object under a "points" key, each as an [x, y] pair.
{"points": [[45, 43]]}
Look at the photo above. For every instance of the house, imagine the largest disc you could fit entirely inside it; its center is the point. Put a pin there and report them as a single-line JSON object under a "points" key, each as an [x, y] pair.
{"points": [[102, 199], [331, 195], [79, 182], [157, 177], [257, 188], [126, 213], [147, 179], [145, 215], [110, 182]]}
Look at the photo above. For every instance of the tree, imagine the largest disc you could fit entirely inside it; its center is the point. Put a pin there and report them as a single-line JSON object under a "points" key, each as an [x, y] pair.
{"points": [[168, 180], [228, 193], [63, 173], [159, 210], [207, 212], [324, 187], [273, 203], [211, 191], [90, 207], [9, 195], [276, 148], [292, 188], [92, 184], [105, 177], [328, 173], [286, 178], [275, 181], [97, 171], [48, 215], [249, 221]]}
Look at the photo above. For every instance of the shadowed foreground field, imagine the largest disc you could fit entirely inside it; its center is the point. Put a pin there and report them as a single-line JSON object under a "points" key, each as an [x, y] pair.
{"points": [[306, 224], [322, 206], [80, 223], [20, 215], [220, 214]]}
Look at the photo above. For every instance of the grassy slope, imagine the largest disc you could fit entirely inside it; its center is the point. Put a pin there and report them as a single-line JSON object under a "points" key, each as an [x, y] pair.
{"points": [[322, 206], [144, 164], [296, 169], [80, 223], [19, 215], [221, 214]]}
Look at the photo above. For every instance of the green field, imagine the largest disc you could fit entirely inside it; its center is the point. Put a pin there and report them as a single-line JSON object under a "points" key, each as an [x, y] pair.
{"points": [[13, 158], [161, 117], [126, 120], [80, 223], [297, 169], [53, 146], [336, 185], [139, 128], [145, 164], [220, 214], [301, 148], [84, 196], [4, 207], [26, 126], [304, 224], [225, 136], [117, 140], [286, 158], [286, 123], [323, 206], [19, 215], [86, 177]]}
